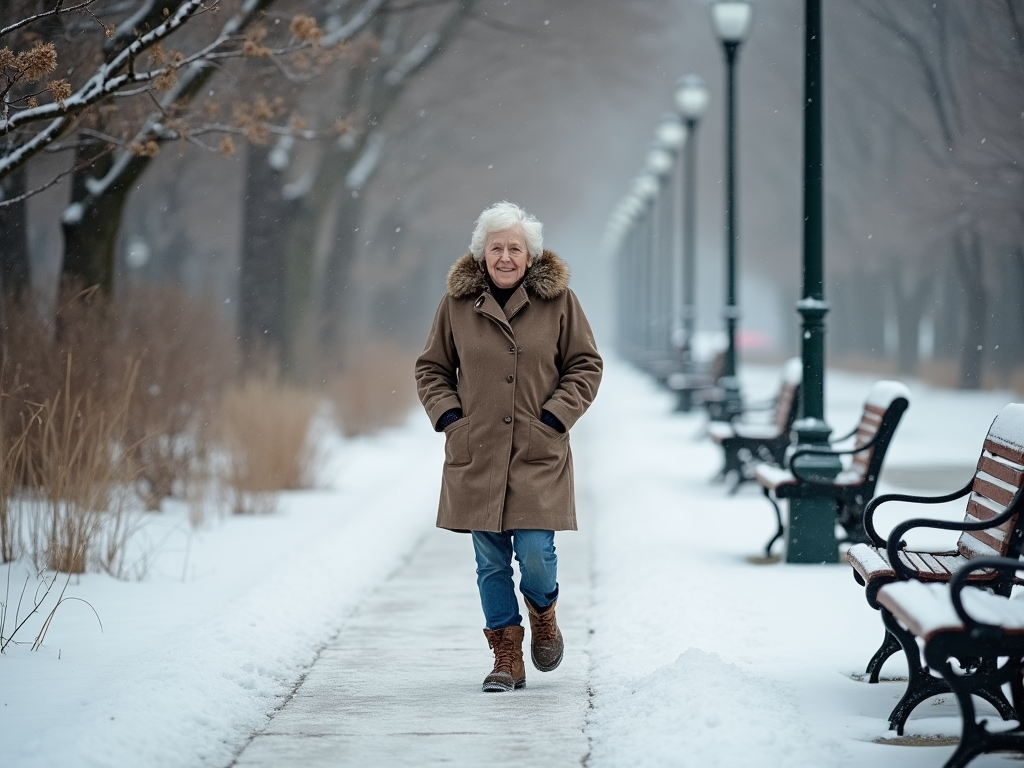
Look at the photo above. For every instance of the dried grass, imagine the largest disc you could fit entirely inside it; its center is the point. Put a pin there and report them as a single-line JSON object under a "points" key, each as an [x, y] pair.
{"points": [[12, 471], [265, 431], [79, 466], [92, 435], [375, 392], [187, 359]]}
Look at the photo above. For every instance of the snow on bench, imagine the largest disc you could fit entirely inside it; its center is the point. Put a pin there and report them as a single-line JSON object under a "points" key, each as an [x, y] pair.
{"points": [[996, 483], [880, 398], [992, 527], [853, 487], [927, 609], [744, 445], [971, 637]]}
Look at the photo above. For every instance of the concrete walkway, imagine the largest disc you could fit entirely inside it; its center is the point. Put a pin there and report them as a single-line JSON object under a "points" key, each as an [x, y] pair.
{"points": [[400, 685]]}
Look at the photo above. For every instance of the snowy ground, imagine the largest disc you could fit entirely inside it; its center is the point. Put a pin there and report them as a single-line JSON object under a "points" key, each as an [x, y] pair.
{"points": [[700, 658], [697, 657]]}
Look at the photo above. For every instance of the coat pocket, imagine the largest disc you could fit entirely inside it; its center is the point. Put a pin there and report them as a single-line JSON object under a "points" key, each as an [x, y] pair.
{"points": [[456, 443], [546, 444]]}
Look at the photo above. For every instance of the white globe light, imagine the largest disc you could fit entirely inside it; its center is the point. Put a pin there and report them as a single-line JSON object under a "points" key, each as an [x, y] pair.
{"points": [[670, 133], [646, 187], [691, 97], [731, 20], [659, 162]]}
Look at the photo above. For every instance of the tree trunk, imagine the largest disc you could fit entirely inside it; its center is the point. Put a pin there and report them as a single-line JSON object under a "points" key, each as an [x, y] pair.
{"points": [[331, 316], [314, 222], [967, 257], [15, 271], [92, 222], [263, 281], [910, 304], [867, 316]]}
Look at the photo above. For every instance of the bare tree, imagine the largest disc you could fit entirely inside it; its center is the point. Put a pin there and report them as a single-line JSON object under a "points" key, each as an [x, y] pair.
{"points": [[952, 136], [141, 95], [288, 294]]}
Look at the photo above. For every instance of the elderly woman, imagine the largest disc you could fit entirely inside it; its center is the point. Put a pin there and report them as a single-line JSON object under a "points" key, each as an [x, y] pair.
{"points": [[509, 366]]}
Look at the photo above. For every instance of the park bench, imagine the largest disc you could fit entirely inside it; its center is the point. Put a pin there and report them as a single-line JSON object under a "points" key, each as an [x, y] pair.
{"points": [[960, 621], [853, 487], [745, 444], [992, 527], [696, 380]]}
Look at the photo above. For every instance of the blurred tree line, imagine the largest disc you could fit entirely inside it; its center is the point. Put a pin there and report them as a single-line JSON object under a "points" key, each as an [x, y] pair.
{"points": [[252, 151], [926, 184], [95, 94]]}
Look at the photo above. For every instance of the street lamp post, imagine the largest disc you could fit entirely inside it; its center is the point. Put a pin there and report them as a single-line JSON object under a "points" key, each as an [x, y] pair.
{"points": [[646, 189], [691, 97], [659, 164], [671, 135], [633, 278], [731, 21], [811, 534]]}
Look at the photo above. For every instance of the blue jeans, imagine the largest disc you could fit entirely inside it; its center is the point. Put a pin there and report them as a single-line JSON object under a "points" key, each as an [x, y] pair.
{"points": [[538, 565]]}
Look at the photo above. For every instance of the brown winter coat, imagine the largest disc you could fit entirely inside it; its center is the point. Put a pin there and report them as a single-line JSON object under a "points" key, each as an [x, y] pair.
{"points": [[504, 468]]}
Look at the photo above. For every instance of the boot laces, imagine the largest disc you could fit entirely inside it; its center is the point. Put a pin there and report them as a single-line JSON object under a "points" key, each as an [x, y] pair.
{"points": [[504, 656], [545, 628]]}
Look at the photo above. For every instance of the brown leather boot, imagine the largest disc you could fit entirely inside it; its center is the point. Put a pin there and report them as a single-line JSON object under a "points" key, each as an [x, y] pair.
{"points": [[546, 644], [509, 671]]}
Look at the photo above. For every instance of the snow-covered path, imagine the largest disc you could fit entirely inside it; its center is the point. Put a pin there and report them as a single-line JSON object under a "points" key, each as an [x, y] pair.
{"points": [[680, 652], [400, 685]]}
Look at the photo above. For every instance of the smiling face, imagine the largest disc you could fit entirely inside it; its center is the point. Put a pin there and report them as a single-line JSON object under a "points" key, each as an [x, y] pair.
{"points": [[506, 256]]}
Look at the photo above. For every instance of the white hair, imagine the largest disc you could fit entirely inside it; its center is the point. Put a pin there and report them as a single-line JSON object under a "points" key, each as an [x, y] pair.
{"points": [[502, 216]]}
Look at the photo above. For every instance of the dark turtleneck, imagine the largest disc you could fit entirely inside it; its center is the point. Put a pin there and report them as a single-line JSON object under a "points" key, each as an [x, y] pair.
{"points": [[502, 295]]}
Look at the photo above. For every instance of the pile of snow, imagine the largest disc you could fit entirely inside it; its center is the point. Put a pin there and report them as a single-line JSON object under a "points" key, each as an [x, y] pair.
{"points": [[701, 711]]}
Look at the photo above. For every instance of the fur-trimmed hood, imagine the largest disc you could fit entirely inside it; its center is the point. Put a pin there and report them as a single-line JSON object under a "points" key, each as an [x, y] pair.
{"points": [[547, 278]]}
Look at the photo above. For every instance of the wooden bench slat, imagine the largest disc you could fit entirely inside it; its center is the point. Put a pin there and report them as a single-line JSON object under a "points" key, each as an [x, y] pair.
{"points": [[993, 537], [1015, 455], [927, 610], [992, 491], [971, 546], [935, 565], [917, 562], [981, 511], [1003, 471]]}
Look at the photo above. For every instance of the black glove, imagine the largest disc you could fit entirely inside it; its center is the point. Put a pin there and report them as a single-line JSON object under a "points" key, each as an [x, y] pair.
{"points": [[448, 417], [551, 421]]}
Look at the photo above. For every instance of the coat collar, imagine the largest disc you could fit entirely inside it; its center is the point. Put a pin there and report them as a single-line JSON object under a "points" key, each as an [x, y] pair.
{"points": [[548, 278]]}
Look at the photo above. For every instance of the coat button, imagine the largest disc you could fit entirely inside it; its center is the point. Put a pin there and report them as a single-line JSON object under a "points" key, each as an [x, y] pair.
{"points": [[510, 378], [508, 419], [512, 350]]}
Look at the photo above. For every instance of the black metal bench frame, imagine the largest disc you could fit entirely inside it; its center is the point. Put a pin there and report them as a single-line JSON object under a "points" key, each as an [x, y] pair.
{"points": [[742, 452], [989, 643], [851, 500], [695, 378], [920, 684]]}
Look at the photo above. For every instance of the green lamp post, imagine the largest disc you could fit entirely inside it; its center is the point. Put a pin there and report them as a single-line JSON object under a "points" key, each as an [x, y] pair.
{"points": [[671, 135], [691, 96], [810, 537], [659, 164], [731, 20]]}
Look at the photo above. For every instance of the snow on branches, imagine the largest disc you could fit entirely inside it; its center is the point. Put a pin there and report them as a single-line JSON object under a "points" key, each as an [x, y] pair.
{"points": [[143, 92]]}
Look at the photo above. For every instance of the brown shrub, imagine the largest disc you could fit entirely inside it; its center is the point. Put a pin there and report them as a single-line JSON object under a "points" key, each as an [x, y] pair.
{"points": [[265, 434], [376, 390], [95, 430], [187, 358], [77, 468], [12, 472]]}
